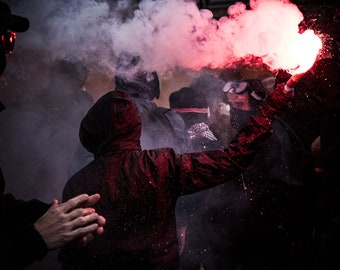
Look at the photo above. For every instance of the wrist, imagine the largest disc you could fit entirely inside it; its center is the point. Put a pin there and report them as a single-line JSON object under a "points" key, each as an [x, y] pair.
{"points": [[287, 88]]}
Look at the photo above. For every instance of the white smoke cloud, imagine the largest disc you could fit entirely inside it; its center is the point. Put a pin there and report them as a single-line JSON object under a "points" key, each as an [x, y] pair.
{"points": [[166, 33], [62, 28]]}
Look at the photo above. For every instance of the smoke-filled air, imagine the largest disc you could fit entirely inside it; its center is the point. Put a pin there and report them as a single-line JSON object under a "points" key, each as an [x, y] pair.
{"points": [[168, 34], [67, 59]]}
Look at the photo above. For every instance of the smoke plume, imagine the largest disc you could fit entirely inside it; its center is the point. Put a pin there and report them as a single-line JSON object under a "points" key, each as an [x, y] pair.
{"points": [[167, 34]]}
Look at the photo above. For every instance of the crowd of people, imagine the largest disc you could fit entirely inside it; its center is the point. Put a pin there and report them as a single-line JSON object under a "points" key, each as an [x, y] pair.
{"points": [[234, 175]]}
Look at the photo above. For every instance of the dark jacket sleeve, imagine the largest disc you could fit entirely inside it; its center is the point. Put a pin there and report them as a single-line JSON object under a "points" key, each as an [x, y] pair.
{"points": [[20, 243], [21, 247], [204, 170]]}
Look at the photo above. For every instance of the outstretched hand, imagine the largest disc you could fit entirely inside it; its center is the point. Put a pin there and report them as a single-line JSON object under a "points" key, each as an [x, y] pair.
{"points": [[74, 219]]}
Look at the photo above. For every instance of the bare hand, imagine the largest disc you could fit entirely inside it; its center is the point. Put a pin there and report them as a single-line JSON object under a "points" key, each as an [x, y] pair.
{"points": [[68, 221], [90, 236], [92, 200]]}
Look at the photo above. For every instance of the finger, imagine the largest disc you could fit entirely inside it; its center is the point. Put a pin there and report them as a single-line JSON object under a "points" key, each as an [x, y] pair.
{"points": [[55, 204], [84, 220], [101, 221], [80, 212], [74, 202], [83, 231], [85, 239], [88, 237], [92, 200], [100, 230], [54, 207]]}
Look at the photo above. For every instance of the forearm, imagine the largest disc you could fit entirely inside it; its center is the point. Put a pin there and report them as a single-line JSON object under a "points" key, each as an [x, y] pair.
{"points": [[20, 243], [207, 169], [19, 211], [258, 131]]}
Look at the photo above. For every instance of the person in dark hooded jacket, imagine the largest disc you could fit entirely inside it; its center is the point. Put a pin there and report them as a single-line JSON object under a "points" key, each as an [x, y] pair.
{"points": [[139, 188], [192, 105], [161, 127], [29, 229]]}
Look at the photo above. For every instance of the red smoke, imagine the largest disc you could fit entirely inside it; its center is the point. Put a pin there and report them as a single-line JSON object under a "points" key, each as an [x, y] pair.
{"points": [[176, 33]]}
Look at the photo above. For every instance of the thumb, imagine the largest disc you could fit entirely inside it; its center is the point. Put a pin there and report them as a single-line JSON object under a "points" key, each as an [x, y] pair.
{"points": [[55, 204]]}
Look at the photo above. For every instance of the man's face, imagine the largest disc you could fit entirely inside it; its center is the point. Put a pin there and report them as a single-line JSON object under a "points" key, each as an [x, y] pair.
{"points": [[239, 101]]}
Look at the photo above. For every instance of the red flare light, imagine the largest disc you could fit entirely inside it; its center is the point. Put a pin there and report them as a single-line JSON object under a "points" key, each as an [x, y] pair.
{"points": [[304, 50]]}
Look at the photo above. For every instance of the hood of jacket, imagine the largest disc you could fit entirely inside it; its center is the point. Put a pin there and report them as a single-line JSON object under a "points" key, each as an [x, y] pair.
{"points": [[112, 124]]}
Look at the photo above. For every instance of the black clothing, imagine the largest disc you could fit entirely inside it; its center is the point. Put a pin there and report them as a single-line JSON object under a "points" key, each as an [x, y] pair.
{"points": [[139, 188], [21, 244]]}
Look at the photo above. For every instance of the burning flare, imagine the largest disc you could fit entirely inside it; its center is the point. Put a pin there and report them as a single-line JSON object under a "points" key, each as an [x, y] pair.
{"points": [[304, 50]]}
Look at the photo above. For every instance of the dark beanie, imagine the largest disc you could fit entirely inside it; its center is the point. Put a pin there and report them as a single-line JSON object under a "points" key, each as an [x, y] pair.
{"points": [[207, 83], [210, 85], [187, 97], [70, 67]]}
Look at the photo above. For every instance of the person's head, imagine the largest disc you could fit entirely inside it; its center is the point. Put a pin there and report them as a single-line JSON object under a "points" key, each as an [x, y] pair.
{"points": [[244, 94], [9, 25], [191, 104], [69, 70], [211, 86], [113, 121], [244, 98], [132, 79]]}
